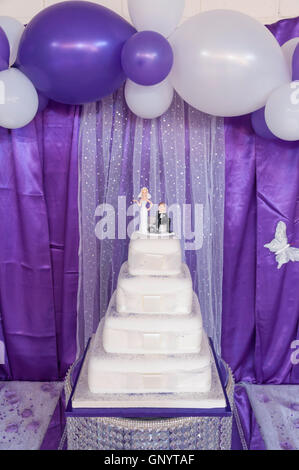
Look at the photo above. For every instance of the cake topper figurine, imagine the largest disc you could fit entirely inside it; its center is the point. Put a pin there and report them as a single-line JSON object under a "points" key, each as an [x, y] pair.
{"points": [[162, 220], [143, 201]]}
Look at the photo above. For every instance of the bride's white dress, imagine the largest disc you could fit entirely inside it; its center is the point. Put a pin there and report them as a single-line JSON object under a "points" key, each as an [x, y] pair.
{"points": [[143, 221]]}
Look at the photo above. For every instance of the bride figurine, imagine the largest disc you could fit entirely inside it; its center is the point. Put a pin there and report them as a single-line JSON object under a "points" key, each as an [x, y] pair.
{"points": [[143, 200]]}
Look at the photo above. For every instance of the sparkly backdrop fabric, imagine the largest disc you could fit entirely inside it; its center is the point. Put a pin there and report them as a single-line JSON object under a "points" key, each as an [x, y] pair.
{"points": [[39, 245], [180, 158], [260, 303]]}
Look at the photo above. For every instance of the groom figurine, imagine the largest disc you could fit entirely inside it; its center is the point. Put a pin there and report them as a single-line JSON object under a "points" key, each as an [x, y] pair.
{"points": [[162, 219]]}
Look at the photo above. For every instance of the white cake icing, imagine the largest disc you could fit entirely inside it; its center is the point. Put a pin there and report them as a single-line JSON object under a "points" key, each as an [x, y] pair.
{"points": [[154, 255], [126, 373], [151, 339], [84, 398], [152, 334], [154, 294]]}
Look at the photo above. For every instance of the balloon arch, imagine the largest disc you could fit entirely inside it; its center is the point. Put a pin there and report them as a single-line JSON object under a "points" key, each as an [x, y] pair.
{"points": [[221, 62]]}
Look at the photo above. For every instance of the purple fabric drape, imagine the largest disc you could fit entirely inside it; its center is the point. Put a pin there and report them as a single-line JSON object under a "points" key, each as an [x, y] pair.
{"points": [[260, 302], [3, 356], [247, 426], [56, 427], [39, 244]]}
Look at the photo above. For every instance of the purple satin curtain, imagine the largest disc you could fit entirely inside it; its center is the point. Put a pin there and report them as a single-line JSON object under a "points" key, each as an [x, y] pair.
{"points": [[246, 426], [260, 302], [39, 245]]}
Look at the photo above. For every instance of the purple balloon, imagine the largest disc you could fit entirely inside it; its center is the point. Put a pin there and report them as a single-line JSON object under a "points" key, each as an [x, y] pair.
{"points": [[4, 51], [147, 58], [296, 63], [259, 125], [71, 51]]}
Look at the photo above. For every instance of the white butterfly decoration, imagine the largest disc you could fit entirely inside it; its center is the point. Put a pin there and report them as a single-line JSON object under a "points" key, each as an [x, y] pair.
{"points": [[280, 246]]}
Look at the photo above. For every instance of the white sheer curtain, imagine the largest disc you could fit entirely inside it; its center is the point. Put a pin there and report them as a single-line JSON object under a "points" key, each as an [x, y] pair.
{"points": [[180, 157]]}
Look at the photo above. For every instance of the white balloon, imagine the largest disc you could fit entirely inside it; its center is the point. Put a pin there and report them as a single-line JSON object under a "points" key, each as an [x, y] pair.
{"points": [[13, 30], [161, 16], [149, 102], [288, 50], [18, 99], [282, 112], [226, 63]]}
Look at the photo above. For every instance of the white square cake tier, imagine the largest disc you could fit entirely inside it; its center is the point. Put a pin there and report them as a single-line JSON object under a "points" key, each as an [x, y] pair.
{"points": [[154, 294], [152, 334], [127, 373], [154, 254], [83, 398]]}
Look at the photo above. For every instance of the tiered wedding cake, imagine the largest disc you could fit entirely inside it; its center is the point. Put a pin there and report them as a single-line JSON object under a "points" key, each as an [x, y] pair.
{"points": [[151, 339]]}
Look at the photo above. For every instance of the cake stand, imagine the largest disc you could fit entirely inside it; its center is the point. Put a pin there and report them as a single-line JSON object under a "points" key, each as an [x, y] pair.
{"points": [[142, 429]]}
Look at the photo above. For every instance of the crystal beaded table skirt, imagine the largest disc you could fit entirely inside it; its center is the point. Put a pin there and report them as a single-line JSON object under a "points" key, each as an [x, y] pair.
{"points": [[190, 433]]}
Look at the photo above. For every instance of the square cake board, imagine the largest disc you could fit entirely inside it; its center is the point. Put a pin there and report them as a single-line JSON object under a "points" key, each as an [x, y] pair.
{"points": [[83, 403]]}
